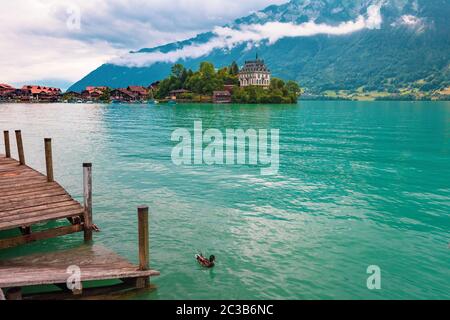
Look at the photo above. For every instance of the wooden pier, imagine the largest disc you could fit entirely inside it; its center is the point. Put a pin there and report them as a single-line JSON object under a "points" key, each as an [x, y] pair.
{"points": [[29, 198]]}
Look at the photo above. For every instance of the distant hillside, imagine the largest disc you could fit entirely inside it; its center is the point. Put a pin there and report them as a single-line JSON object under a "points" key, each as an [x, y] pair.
{"points": [[408, 51]]}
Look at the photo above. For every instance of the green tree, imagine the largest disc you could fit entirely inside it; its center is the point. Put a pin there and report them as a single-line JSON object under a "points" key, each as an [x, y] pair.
{"points": [[106, 95], [234, 69], [178, 70], [293, 87]]}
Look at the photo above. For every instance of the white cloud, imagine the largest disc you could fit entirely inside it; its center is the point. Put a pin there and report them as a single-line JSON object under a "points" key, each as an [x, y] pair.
{"points": [[410, 20], [228, 38], [36, 43]]}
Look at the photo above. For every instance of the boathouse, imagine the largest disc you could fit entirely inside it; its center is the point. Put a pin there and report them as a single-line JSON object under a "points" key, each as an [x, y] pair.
{"points": [[221, 97]]}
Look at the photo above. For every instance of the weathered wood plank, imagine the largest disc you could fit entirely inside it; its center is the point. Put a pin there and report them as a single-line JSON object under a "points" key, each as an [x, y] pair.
{"points": [[40, 208], [42, 235], [30, 189], [46, 212], [33, 195], [34, 203], [24, 187], [95, 262], [39, 219], [5, 181]]}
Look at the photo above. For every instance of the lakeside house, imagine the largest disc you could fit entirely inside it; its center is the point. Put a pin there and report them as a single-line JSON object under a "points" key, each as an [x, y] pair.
{"points": [[254, 73], [93, 93], [139, 92], [5, 89], [221, 97], [176, 94], [29, 93], [123, 95]]}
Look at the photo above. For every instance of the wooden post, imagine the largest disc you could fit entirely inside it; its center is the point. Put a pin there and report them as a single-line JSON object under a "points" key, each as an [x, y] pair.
{"points": [[20, 147], [7, 145], [87, 188], [49, 159], [144, 257]]}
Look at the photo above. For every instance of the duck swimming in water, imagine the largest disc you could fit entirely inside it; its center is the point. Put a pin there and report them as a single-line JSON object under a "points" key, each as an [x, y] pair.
{"points": [[205, 262]]}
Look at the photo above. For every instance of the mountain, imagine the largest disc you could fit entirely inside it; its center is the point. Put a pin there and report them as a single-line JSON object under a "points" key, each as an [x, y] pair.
{"points": [[370, 45]]}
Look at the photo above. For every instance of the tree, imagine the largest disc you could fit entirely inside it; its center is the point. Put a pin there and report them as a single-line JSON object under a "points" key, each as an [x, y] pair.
{"points": [[178, 70], [234, 69], [293, 87], [207, 70], [106, 95]]}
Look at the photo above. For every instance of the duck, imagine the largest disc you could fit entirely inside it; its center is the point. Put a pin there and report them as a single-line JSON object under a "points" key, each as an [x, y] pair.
{"points": [[205, 262]]}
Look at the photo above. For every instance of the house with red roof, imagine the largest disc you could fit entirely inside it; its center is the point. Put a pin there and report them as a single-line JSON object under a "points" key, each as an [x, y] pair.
{"points": [[40, 93], [93, 93], [6, 91], [123, 95], [140, 92]]}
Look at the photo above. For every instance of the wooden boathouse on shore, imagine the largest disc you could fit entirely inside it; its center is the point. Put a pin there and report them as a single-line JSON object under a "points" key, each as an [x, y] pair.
{"points": [[27, 199]]}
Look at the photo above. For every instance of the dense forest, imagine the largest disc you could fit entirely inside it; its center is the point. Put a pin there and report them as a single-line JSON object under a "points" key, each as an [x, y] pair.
{"points": [[209, 79]]}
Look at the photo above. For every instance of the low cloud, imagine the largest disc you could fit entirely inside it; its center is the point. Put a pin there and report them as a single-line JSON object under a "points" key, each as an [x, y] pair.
{"points": [[410, 21], [227, 38], [37, 43]]}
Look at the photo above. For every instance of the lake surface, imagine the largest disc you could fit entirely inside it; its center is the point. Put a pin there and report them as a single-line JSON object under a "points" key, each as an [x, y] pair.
{"points": [[359, 184]]}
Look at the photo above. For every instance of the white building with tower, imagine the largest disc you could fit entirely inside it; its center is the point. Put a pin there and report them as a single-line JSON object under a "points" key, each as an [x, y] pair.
{"points": [[254, 73]]}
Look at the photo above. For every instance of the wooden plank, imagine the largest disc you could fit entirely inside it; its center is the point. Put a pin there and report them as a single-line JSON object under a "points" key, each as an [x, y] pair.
{"points": [[30, 189], [47, 234], [40, 208], [15, 166], [7, 161], [23, 177], [18, 172], [45, 276], [95, 262], [29, 215], [25, 187], [39, 219], [33, 195], [34, 203]]}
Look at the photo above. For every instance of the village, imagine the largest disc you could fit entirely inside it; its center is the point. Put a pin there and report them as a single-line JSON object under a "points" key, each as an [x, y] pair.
{"points": [[250, 84], [101, 94]]}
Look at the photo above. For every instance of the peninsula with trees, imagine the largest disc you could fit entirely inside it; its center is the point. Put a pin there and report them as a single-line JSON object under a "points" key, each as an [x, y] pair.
{"points": [[250, 85]]}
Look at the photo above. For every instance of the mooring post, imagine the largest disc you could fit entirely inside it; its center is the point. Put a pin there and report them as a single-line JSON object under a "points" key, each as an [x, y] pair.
{"points": [[49, 159], [144, 257], [87, 191], [20, 147], [7, 145]]}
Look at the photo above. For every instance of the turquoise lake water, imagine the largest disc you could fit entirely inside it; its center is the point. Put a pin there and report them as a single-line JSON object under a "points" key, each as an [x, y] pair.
{"points": [[359, 184]]}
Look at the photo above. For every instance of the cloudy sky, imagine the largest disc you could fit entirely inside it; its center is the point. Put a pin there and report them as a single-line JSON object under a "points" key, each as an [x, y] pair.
{"points": [[56, 42]]}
